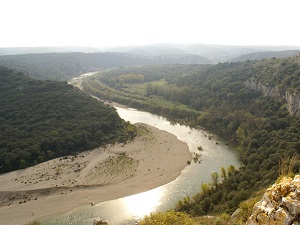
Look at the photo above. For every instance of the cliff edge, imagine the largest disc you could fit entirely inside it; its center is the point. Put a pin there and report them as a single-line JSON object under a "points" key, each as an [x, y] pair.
{"points": [[280, 204], [292, 100]]}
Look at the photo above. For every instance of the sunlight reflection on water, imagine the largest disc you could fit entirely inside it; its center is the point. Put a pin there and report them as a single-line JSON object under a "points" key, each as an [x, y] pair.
{"points": [[130, 209], [140, 205]]}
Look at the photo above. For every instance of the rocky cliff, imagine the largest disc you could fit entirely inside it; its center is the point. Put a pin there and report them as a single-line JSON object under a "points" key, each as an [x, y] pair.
{"points": [[280, 205], [292, 100]]}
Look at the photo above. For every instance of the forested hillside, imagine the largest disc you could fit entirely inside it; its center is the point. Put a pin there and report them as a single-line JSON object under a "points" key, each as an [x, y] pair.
{"points": [[216, 98], [261, 127], [266, 55], [41, 120], [64, 66]]}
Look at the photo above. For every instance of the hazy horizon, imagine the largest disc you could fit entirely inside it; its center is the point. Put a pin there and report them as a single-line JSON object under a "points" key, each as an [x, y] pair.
{"points": [[117, 23], [154, 45]]}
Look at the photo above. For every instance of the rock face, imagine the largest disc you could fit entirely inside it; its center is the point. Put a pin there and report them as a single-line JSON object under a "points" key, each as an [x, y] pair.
{"points": [[292, 100], [293, 103], [280, 205]]}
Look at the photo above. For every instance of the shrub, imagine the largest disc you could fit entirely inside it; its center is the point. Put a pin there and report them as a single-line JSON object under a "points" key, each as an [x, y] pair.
{"points": [[167, 218]]}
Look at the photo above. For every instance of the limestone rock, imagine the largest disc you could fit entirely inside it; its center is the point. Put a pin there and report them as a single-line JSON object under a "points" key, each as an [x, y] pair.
{"points": [[280, 204], [292, 100]]}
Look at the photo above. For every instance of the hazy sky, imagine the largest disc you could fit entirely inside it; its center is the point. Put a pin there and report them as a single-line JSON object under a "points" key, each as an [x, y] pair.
{"points": [[106, 23]]}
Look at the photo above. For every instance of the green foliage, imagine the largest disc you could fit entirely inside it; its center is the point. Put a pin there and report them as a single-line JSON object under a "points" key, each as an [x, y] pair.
{"points": [[167, 218], [215, 179], [223, 173], [260, 127], [205, 188], [281, 73], [134, 95], [267, 55], [41, 120]]}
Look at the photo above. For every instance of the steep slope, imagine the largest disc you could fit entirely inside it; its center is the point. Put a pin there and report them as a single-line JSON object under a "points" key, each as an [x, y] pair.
{"points": [[41, 120], [279, 79], [259, 125]]}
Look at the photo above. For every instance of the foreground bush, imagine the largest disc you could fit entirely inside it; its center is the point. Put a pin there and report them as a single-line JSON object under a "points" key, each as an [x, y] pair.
{"points": [[167, 218]]}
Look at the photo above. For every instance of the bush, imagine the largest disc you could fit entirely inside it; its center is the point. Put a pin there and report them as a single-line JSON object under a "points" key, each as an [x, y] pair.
{"points": [[167, 218]]}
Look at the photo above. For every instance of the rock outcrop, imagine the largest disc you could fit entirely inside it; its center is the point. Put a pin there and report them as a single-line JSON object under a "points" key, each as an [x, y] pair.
{"points": [[280, 205], [292, 100], [293, 103]]}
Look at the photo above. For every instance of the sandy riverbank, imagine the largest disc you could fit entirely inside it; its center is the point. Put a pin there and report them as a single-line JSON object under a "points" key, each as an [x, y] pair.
{"points": [[150, 160]]}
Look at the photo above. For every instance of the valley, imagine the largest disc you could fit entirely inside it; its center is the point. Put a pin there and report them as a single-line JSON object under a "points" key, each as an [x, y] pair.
{"points": [[252, 105]]}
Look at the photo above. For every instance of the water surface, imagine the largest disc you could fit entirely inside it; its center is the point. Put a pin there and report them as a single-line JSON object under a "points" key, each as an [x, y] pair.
{"points": [[130, 209]]}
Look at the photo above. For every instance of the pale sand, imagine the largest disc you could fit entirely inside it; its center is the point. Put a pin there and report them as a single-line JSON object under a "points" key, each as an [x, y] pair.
{"points": [[60, 185]]}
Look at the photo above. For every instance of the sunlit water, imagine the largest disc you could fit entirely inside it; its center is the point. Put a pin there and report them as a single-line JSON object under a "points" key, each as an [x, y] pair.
{"points": [[130, 209]]}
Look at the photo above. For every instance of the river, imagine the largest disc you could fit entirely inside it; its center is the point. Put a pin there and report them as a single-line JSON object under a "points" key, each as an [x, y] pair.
{"points": [[130, 209]]}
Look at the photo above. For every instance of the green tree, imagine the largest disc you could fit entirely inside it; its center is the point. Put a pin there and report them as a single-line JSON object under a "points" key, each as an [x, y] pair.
{"points": [[22, 164], [215, 179], [231, 170], [205, 188], [223, 173], [240, 134]]}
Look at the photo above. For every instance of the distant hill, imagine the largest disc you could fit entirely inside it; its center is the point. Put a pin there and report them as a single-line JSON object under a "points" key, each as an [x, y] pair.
{"points": [[41, 120], [266, 55], [64, 66], [216, 53], [212, 53]]}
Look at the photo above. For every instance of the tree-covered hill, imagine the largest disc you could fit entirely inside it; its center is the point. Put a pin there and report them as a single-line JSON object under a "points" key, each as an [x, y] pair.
{"points": [[41, 120], [260, 126], [266, 55], [64, 66]]}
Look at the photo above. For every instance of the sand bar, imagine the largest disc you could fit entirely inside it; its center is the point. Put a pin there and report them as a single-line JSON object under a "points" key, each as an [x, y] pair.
{"points": [[150, 160]]}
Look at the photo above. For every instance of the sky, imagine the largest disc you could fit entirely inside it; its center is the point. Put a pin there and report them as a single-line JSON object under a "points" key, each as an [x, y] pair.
{"points": [[109, 23]]}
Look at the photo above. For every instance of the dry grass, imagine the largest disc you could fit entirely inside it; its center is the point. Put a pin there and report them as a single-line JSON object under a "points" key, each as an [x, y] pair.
{"points": [[286, 165]]}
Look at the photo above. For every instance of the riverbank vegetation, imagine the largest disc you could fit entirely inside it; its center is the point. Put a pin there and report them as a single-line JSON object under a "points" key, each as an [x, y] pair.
{"points": [[132, 86], [217, 99], [42, 120]]}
